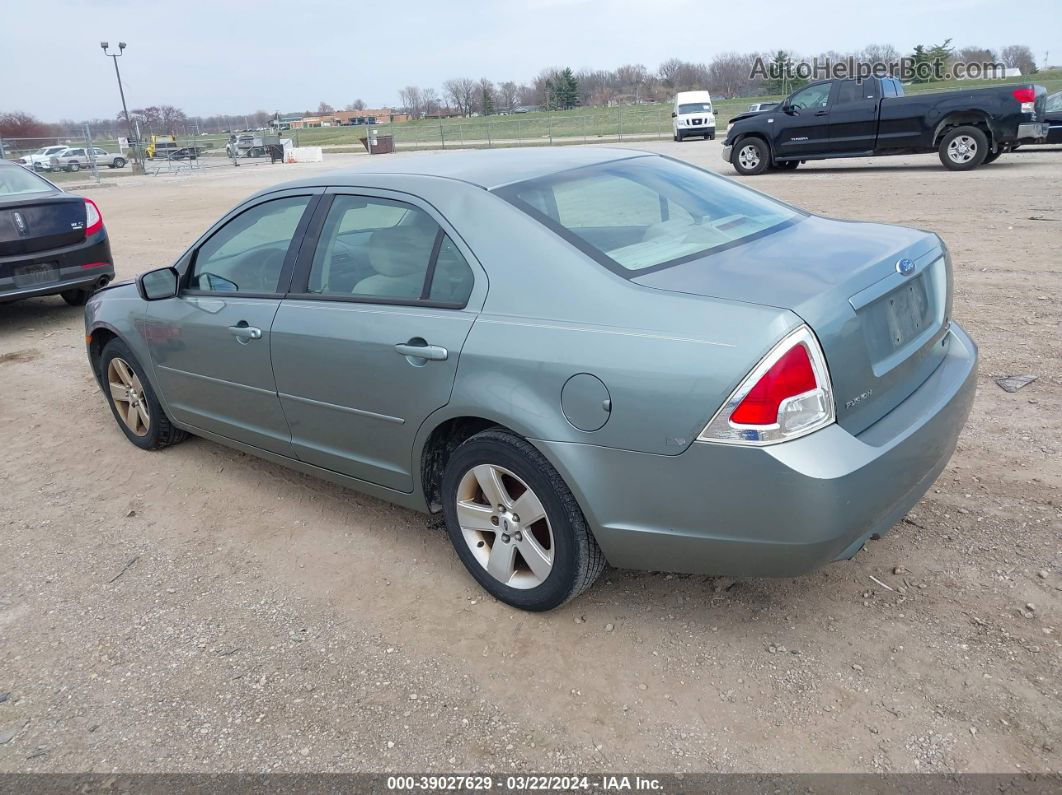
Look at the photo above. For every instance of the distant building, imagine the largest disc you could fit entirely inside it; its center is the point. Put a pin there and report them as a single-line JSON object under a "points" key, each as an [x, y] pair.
{"points": [[346, 118]]}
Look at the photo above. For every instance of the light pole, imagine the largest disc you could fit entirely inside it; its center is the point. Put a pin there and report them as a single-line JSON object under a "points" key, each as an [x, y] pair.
{"points": [[138, 161]]}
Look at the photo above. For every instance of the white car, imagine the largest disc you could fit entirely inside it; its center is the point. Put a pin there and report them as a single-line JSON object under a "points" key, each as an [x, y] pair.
{"points": [[692, 115], [42, 158], [75, 158]]}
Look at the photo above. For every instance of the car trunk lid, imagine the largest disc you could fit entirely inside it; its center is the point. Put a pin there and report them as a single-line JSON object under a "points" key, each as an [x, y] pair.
{"points": [[877, 297], [40, 222]]}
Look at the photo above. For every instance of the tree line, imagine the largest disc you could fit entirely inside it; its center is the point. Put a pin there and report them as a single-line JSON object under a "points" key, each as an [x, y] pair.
{"points": [[727, 75]]}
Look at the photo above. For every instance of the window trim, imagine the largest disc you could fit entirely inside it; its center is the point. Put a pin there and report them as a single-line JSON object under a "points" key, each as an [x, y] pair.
{"points": [[299, 286], [294, 247], [508, 194]]}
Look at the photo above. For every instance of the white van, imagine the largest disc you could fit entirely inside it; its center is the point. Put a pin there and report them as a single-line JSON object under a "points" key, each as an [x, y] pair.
{"points": [[692, 115]]}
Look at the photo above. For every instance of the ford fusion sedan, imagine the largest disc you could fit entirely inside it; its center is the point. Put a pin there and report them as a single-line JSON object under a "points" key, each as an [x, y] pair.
{"points": [[51, 242], [575, 356]]}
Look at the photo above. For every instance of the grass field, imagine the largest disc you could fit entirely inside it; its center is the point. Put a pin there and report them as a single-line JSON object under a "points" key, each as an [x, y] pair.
{"points": [[582, 125]]}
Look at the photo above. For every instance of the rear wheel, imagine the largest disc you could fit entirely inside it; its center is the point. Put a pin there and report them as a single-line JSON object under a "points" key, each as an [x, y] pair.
{"points": [[119, 162], [132, 400], [76, 297], [515, 524], [751, 157], [963, 148]]}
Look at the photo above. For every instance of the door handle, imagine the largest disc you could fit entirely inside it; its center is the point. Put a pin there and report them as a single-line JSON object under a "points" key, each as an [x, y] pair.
{"points": [[422, 350], [244, 333], [822, 113]]}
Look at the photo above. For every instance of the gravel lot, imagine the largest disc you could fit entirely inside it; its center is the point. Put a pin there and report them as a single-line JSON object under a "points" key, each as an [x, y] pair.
{"points": [[198, 609]]}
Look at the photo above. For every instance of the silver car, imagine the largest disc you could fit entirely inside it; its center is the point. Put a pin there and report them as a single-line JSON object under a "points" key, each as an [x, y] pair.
{"points": [[75, 158], [576, 356]]}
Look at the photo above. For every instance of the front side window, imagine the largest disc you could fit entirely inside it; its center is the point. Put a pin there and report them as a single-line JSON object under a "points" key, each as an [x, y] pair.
{"points": [[382, 249], [247, 254], [1054, 102], [647, 212], [816, 96]]}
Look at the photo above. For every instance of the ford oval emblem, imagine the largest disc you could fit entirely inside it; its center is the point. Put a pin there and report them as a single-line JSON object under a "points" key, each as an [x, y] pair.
{"points": [[905, 267]]}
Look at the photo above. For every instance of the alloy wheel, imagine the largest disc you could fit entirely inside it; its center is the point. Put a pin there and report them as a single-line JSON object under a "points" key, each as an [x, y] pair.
{"points": [[505, 526], [128, 395], [962, 149], [749, 157]]}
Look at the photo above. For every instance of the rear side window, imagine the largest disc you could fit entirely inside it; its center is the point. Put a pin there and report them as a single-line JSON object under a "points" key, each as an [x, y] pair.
{"points": [[647, 212], [383, 250], [852, 91]]}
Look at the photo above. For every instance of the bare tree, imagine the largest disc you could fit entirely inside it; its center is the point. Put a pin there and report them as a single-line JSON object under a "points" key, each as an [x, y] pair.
{"points": [[730, 74], [880, 53], [358, 104], [976, 55], [507, 96], [412, 100], [461, 91], [1018, 56], [324, 107], [429, 100]]}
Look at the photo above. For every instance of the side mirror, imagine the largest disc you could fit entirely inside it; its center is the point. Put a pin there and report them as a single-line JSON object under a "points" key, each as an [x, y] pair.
{"points": [[158, 285], [673, 114]]}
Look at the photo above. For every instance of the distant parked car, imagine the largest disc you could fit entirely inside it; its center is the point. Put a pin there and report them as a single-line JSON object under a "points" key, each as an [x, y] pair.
{"points": [[51, 242], [756, 107], [77, 158], [41, 160], [1054, 118]]}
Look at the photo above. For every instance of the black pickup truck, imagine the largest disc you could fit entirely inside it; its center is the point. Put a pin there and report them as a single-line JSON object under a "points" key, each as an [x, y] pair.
{"points": [[863, 118]]}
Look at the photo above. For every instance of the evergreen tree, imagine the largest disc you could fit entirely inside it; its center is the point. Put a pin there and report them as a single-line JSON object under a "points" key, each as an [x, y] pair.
{"points": [[563, 90], [486, 101]]}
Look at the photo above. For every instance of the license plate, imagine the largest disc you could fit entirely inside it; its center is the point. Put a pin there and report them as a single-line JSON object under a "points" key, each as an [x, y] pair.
{"points": [[32, 275], [906, 312]]}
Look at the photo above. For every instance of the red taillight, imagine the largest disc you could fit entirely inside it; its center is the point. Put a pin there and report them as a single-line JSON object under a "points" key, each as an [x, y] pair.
{"points": [[93, 218], [1025, 94], [88, 265], [790, 376]]}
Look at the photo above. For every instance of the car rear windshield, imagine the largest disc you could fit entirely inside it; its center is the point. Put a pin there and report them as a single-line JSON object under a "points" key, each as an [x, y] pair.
{"points": [[15, 180], [647, 213]]}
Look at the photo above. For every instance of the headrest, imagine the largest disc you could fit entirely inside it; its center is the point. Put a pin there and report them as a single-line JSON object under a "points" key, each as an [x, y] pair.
{"points": [[401, 250]]}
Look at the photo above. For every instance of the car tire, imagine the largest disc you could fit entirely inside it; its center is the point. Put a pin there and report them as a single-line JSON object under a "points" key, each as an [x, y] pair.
{"points": [[141, 419], [76, 297], [750, 156], [74, 166], [533, 566], [119, 162], [963, 148], [675, 137]]}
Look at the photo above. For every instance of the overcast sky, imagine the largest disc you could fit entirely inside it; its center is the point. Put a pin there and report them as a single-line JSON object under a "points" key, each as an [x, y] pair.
{"points": [[228, 56]]}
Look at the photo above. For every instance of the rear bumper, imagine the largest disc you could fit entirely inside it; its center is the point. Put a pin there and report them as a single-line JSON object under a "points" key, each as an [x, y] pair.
{"points": [[84, 266], [1033, 132], [781, 510]]}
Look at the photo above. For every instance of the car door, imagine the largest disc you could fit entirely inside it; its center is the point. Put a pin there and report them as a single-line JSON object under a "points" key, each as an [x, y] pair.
{"points": [[75, 155], [210, 344], [367, 343], [805, 127], [853, 116]]}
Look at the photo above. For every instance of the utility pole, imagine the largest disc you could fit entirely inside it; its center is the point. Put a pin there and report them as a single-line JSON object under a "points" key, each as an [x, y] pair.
{"points": [[138, 161]]}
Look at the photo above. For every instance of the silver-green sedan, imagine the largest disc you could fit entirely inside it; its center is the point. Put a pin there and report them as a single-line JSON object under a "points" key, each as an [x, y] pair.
{"points": [[576, 356]]}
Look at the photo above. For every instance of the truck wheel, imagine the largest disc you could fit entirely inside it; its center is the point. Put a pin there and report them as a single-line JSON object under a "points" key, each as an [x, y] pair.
{"points": [[751, 157], [963, 148]]}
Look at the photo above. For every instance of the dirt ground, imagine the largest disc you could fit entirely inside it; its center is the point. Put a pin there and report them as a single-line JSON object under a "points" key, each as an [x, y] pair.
{"points": [[198, 609]]}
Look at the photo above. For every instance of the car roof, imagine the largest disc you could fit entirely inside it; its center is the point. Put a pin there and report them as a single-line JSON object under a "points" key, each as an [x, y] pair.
{"points": [[487, 168]]}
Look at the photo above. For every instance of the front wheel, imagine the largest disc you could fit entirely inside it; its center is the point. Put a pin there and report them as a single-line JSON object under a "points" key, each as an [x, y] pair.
{"points": [[119, 162], [74, 166], [515, 524], [133, 403], [963, 148], [751, 157]]}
